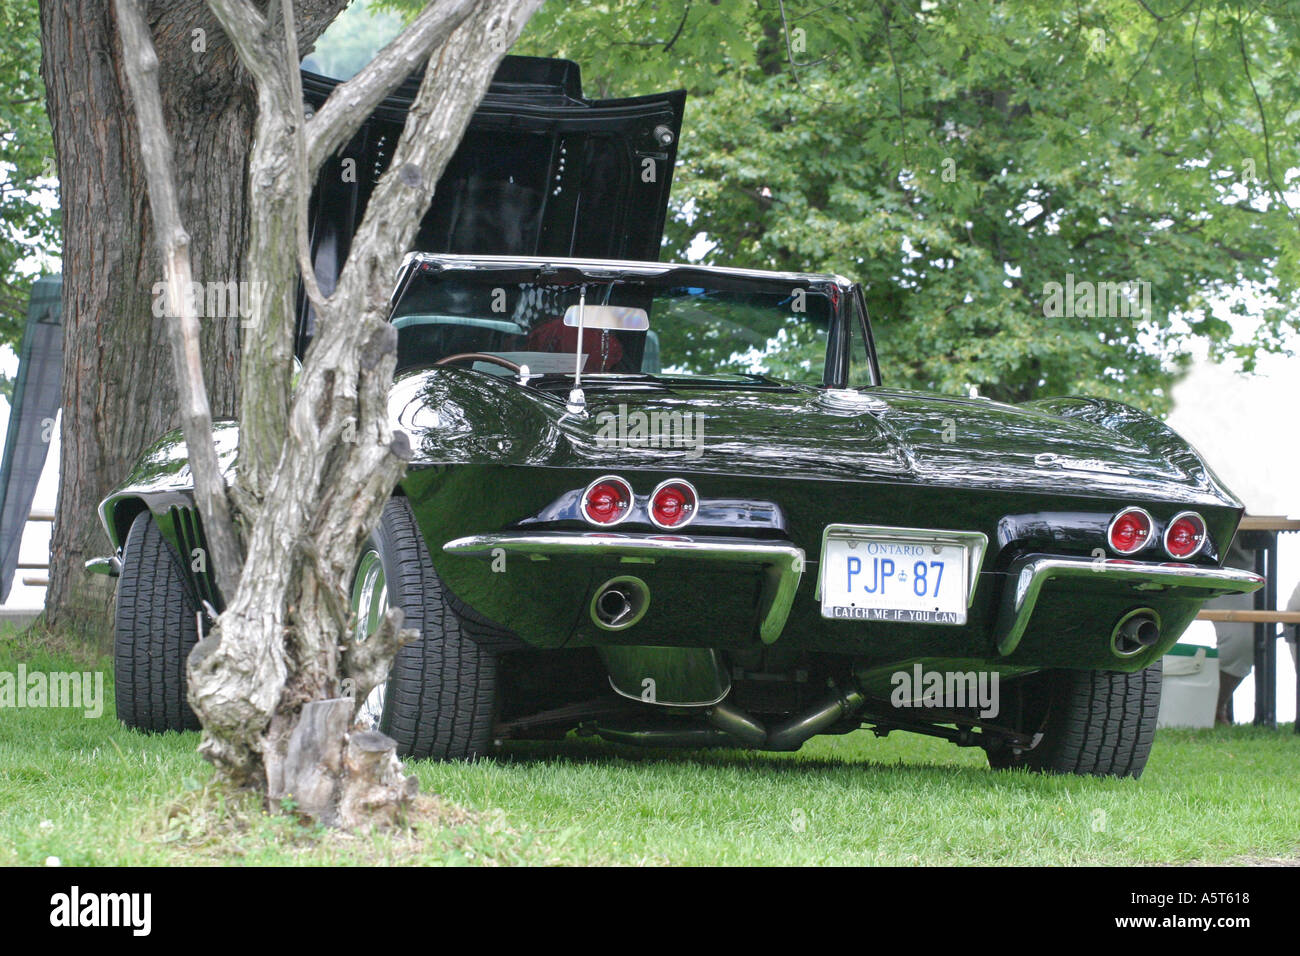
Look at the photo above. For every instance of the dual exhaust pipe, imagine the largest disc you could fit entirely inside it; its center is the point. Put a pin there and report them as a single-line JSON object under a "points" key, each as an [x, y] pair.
{"points": [[619, 603], [1135, 632], [788, 734]]}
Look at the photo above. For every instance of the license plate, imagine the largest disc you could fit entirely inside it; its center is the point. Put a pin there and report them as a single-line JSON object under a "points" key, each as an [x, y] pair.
{"points": [[894, 579]]}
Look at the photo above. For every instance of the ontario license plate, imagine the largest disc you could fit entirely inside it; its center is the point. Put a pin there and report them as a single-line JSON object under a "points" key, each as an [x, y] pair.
{"points": [[894, 579]]}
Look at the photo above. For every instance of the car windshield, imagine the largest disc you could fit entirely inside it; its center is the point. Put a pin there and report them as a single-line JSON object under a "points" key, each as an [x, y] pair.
{"points": [[701, 326]]}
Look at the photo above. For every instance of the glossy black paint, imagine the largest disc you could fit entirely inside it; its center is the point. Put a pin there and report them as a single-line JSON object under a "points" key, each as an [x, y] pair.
{"points": [[457, 416], [696, 609], [776, 461]]}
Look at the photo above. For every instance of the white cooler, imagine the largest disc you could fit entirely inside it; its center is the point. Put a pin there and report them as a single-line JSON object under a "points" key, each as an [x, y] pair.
{"points": [[1191, 686]]}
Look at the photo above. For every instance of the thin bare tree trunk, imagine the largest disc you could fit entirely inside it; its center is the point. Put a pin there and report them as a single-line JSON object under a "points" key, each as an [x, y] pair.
{"points": [[317, 463], [181, 316], [118, 385]]}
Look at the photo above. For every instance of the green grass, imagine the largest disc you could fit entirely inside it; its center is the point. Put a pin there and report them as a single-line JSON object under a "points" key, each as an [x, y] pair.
{"points": [[90, 792]]}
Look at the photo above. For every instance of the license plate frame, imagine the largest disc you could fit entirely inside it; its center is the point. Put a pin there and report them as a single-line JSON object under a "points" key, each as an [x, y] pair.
{"points": [[909, 544]]}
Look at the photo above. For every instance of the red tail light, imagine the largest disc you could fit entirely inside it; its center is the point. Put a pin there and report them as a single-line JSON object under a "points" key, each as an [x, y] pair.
{"points": [[1130, 531], [673, 504], [607, 500], [1185, 535]]}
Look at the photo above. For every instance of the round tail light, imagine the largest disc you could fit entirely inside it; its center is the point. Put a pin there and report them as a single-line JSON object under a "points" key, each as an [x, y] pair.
{"points": [[607, 500], [1130, 531], [1185, 535], [673, 504]]}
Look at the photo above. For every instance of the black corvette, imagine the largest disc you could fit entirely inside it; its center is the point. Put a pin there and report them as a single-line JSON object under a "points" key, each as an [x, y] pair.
{"points": [[678, 505]]}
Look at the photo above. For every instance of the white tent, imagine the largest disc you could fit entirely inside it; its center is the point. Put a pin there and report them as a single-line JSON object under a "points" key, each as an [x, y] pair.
{"points": [[1246, 428]]}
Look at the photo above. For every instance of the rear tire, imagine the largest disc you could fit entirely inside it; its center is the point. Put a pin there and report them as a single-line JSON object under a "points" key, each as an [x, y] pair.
{"points": [[1100, 723], [154, 631], [439, 701]]}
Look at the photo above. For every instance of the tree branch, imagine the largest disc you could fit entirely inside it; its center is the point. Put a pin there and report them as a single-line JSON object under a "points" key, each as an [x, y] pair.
{"points": [[355, 99], [1263, 124], [305, 184], [247, 31], [681, 24], [448, 94], [141, 65], [885, 18]]}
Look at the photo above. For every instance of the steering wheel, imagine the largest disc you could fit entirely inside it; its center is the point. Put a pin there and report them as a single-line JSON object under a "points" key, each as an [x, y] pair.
{"points": [[479, 357]]}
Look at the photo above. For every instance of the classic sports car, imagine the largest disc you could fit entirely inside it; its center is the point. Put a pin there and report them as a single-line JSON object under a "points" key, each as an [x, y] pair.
{"points": [[677, 505]]}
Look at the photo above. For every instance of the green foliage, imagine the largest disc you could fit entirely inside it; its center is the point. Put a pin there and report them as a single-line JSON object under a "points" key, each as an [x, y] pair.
{"points": [[956, 157], [960, 157], [29, 223], [352, 40]]}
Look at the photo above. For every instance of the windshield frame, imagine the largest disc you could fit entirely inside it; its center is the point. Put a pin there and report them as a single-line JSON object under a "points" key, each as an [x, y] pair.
{"points": [[847, 305]]}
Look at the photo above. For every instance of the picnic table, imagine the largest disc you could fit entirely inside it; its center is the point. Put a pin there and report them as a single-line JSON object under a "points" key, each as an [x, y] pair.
{"points": [[1259, 533]]}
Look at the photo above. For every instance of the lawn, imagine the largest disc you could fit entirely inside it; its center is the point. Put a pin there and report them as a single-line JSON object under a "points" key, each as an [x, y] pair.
{"points": [[87, 791]]}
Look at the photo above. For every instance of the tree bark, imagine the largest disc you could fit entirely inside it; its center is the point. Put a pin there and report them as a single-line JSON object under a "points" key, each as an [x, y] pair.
{"points": [[331, 459], [119, 392], [181, 311], [317, 460]]}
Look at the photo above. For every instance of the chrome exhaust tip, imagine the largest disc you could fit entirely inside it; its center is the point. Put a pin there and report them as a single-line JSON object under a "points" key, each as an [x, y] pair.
{"points": [[1135, 632], [619, 603]]}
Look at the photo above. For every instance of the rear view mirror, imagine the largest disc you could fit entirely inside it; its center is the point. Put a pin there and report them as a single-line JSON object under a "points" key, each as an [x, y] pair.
{"points": [[616, 317]]}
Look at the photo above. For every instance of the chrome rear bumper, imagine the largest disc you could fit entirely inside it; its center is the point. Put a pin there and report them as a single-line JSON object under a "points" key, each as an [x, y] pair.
{"points": [[782, 562], [1027, 578]]}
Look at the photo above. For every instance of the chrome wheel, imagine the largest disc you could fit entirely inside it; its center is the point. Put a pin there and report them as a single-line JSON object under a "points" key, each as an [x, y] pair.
{"points": [[369, 602]]}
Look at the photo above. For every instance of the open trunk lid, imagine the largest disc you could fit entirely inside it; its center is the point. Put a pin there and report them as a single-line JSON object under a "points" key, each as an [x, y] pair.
{"points": [[541, 171]]}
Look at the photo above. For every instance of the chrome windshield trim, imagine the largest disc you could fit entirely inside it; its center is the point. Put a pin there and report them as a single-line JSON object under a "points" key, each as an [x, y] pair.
{"points": [[599, 269], [782, 561], [975, 542], [1027, 577]]}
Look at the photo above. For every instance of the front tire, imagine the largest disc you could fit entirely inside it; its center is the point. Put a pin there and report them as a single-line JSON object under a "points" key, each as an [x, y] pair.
{"points": [[439, 700], [155, 628], [1099, 723]]}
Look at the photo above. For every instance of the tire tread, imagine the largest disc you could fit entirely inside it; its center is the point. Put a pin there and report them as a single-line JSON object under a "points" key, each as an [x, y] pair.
{"points": [[154, 630], [1101, 723], [442, 689]]}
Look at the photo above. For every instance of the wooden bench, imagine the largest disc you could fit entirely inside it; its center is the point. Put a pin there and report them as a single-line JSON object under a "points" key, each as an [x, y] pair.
{"points": [[1250, 617], [1264, 617]]}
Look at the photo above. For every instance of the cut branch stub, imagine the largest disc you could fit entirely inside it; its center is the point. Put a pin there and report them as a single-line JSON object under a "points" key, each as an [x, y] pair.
{"points": [[366, 663], [309, 773]]}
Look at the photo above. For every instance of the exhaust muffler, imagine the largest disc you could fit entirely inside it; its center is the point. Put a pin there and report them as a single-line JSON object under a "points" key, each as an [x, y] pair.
{"points": [[790, 733]]}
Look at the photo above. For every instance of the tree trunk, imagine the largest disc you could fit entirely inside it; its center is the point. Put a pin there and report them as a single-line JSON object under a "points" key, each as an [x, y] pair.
{"points": [[322, 458], [119, 392], [266, 681]]}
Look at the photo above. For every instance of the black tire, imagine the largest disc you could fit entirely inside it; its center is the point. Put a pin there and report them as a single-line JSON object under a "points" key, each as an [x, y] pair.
{"points": [[154, 631], [1100, 723], [441, 693]]}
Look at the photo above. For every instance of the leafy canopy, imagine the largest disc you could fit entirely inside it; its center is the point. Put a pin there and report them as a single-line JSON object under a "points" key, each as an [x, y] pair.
{"points": [[971, 162], [29, 218]]}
